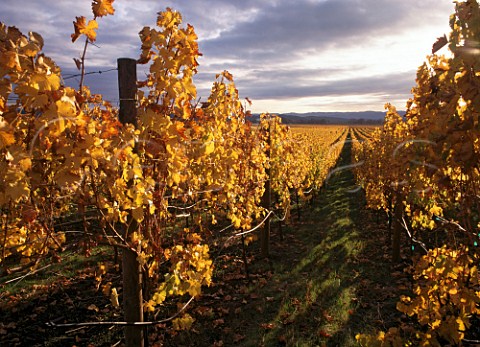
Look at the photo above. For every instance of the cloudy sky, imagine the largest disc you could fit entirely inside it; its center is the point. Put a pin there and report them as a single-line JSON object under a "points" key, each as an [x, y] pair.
{"points": [[285, 55]]}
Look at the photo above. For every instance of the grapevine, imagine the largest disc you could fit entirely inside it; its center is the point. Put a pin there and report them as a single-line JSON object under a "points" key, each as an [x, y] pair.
{"points": [[64, 152], [433, 179]]}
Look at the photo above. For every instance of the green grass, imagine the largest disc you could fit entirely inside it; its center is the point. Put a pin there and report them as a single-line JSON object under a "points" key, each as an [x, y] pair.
{"points": [[312, 298], [47, 272], [317, 294]]}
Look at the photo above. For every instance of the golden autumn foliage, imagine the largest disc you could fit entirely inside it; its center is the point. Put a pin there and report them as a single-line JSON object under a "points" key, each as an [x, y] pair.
{"points": [[445, 299], [432, 155], [63, 152]]}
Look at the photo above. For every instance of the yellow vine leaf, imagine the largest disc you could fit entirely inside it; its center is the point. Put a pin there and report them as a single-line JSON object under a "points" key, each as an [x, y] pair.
{"points": [[66, 177], [114, 298], [176, 177], [45, 82], [11, 60], [66, 107], [208, 147], [183, 323], [82, 28], [169, 18], [106, 288], [160, 295], [102, 8], [6, 139], [149, 306], [137, 214], [17, 191]]}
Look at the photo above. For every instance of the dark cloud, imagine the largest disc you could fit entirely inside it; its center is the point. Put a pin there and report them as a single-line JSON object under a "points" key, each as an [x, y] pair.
{"points": [[292, 27], [264, 43], [394, 84]]}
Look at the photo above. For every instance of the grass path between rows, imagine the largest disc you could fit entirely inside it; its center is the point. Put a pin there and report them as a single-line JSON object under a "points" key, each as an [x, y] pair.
{"points": [[327, 281]]}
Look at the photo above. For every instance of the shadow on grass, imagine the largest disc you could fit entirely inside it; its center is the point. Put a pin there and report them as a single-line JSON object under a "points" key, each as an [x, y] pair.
{"points": [[63, 292], [314, 301], [324, 283]]}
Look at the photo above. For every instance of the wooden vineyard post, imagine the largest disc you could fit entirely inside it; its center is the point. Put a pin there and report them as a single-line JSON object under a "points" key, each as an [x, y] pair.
{"points": [[390, 218], [266, 203], [280, 230], [397, 228], [131, 268], [127, 90], [297, 201]]}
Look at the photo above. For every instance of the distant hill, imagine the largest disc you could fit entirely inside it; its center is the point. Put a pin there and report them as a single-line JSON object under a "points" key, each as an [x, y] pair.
{"points": [[359, 118]]}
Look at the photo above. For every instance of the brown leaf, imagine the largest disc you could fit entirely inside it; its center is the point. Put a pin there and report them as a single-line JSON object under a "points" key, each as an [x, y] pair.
{"points": [[218, 322], [328, 317], [93, 307], [295, 301], [78, 63], [102, 8], [223, 311], [237, 338], [397, 274], [267, 326], [205, 311], [323, 333], [441, 41]]}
